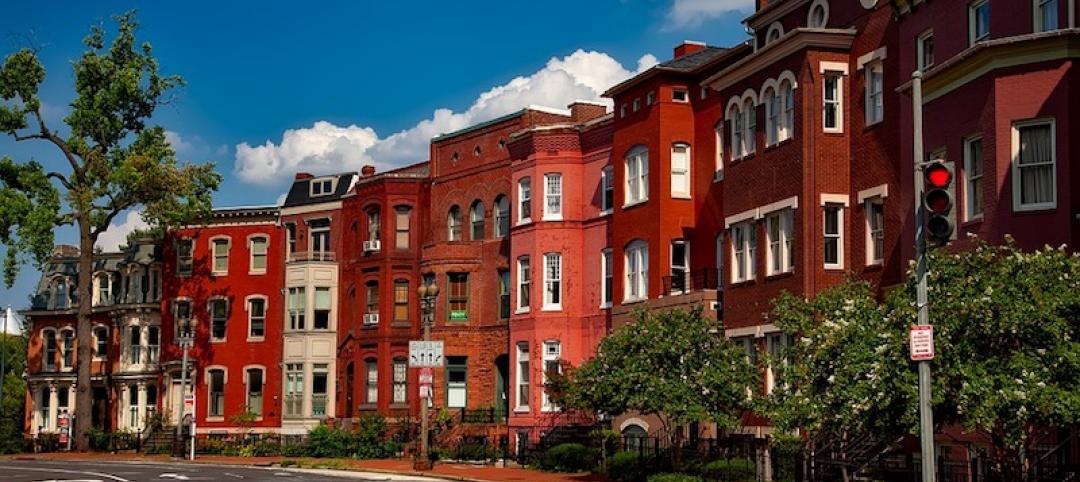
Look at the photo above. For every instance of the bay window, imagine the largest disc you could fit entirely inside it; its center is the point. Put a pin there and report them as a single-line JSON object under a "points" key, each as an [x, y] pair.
{"points": [[637, 176]]}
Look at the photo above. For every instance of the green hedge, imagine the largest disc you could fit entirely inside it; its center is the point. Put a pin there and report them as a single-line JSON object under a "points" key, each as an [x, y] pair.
{"points": [[730, 470], [674, 478], [568, 457], [626, 467]]}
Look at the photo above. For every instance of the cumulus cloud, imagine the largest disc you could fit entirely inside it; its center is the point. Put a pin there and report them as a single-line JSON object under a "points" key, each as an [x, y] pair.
{"points": [[178, 143], [692, 13], [117, 234], [325, 147]]}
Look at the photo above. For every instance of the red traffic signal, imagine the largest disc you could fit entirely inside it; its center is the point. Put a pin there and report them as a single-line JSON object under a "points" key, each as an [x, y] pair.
{"points": [[938, 202], [938, 175]]}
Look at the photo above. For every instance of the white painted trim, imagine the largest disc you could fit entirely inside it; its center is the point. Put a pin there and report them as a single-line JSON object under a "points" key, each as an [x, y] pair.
{"points": [[1014, 161], [826, 66], [881, 191], [633, 421], [834, 199], [825, 21], [878, 54], [756, 331], [774, 27], [789, 203], [740, 217]]}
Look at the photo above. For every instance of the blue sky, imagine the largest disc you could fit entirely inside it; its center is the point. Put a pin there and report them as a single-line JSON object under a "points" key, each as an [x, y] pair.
{"points": [[276, 87]]}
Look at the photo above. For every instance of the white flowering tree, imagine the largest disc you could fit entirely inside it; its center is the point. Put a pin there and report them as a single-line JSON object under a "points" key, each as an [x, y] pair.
{"points": [[1007, 336]]}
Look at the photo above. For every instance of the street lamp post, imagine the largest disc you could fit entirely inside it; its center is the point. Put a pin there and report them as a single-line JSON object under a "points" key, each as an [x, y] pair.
{"points": [[428, 292], [186, 339]]}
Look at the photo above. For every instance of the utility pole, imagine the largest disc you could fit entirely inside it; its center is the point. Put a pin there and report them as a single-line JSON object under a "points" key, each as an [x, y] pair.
{"points": [[178, 441], [926, 414], [3, 353]]}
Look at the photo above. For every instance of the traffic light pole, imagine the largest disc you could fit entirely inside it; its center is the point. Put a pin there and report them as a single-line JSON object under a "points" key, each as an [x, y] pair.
{"points": [[926, 414]]}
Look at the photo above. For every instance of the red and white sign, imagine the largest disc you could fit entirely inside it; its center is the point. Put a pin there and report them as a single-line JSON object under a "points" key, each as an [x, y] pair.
{"points": [[64, 428], [189, 404], [425, 391], [921, 342], [425, 376]]}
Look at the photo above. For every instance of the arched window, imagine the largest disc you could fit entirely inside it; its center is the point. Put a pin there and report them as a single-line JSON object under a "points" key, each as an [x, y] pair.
{"points": [[775, 32], [749, 138], [772, 116], [787, 104], [637, 175], [735, 121], [502, 216], [453, 224], [637, 271], [68, 351], [476, 221]]}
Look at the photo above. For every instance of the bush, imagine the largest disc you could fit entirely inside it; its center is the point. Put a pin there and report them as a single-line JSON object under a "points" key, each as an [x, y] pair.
{"points": [[568, 457], [477, 452], [99, 439], [730, 470], [674, 478], [626, 467]]}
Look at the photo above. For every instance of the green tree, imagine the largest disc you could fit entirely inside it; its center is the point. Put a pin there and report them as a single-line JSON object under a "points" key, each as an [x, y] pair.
{"points": [[14, 389], [677, 365], [114, 161], [1007, 338]]}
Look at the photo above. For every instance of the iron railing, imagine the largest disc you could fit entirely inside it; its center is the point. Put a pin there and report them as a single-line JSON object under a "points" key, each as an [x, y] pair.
{"points": [[689, 281], [311, 256]]}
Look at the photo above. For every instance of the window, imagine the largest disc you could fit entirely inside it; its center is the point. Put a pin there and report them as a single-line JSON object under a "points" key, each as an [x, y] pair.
{"points": [[720, 262], [743, 251], [637, 271], [183, 257], [502, 216], [322, 308], [456, 381], [153, 343], [297, 307], [787, 121], [680, 266], [256, 317], [637, 104], [718, 175], [524, 200], [978, 20], [777, 345], [875, 103], [101, 342], [875, 230], [924, 50], [371, 381], [778, 227], [735, 121], [552, 351], [607, 278], [833, 107], [973, 171], [607, 188], [680, 170], [552, 281], [133, 406], [219, 313], [819, 14], [637, 176], [216, 387], [749, 135], [680, 95], [401, 384], [650, 98], [294, 389], [401, 301], [319, 385], [104, 285], [504, 294], [453, 224], [290, 230], [458, 296], [257, 246], [772, 117], [401, 227], [553, 196], [322, 187], [68, 348], [151, 399], [622, 110], [320, 240], [1046, 15], [834, 236], [255, 391], [221, 256], [476, 221], [134, 344], [1034, 160], [371, 302], [44, 405], [524, 283], [373, 223], [522, 401], [182, 315]]}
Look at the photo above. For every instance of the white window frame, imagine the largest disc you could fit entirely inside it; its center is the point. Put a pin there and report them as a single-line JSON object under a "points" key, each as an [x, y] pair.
{"points": [[787, 103], [744, 251], [824, 5], [838, 101], [607, 278], [210, 317], [209, 391], [1039, 19], [400, 380], [214, 254], [552, 354], [685, 266], [970, 165], [297, 315], [325, 186], [772, 116], [524, 283], [453, 221], [522, 377], [973, 21], [735, 121], [650, 98], [371, 381], [607, 183], [1018, 205], [872, 234], [252, 253], [247, 308], [636, 188], [920, 49], [781, 246], [685, 95], [98, 354], [718, 174], [524, 203], [750, 127], [875, 100], [681, 188], [636, 287], [838, 235], [552, 282], [553, 197], [500, 211]]}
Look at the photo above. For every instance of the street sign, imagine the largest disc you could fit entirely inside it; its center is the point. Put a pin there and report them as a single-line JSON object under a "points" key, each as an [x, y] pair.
{"points": [[425, 376], [921, 342], [425, 391], [65, 429], [189, 404], [425, 354]]}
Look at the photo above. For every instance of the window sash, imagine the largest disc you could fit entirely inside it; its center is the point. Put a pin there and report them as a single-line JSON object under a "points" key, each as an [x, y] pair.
{"points": [[1035, 165], [552, 280], [522, 401], [979, 18], [552, 196], [608, 277], [256, 317], [524, 199], [221, 256], [524, 283], [832, 99], [401, 228], [607, 181], [400, 381], [973, 171], [875, 109], [680, 170], [832, 234]]}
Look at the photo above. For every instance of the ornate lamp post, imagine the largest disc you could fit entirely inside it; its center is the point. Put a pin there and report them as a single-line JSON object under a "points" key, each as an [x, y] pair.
{"points": [[186, 337], [428, 292]]}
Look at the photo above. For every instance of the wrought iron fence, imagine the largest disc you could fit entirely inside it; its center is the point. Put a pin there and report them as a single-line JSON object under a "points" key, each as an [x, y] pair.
{"points": [[689, 281]]}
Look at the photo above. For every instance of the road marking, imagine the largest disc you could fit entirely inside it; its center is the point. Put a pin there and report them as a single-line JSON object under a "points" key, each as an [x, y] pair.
{"points": [[170, 475], [234, 475], [79, 472]]}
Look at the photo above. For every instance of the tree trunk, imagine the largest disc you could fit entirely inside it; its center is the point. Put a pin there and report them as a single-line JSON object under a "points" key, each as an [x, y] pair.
{"points": [[83, 357]]}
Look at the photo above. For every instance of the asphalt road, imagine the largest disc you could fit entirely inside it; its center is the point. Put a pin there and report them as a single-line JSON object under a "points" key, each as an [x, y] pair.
{"points": [[104, 471]]}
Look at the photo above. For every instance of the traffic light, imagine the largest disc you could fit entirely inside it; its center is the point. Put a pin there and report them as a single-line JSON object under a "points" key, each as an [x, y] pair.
{"points": [[938, 201]]}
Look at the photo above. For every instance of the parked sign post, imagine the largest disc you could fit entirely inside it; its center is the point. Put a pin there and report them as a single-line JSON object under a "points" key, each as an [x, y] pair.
{"points": [[921, 342]]}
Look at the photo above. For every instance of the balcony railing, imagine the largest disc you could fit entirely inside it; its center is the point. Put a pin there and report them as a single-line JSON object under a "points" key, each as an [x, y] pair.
{"points": [[311, 256], [482, 416], [696, 280]]}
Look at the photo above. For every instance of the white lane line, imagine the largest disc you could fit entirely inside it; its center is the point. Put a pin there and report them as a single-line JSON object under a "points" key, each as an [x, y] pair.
{"points": [[79, 472], [234, 475], [170, 475]]}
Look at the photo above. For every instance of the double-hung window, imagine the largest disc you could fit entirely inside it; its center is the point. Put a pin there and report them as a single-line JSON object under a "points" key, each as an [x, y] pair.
{"points": [[1046, 15], [524, 200], [772, 117], [973, 173], [255, 391], [256, 317], [779, 236], [552, 281], [504, 294], [1034, 165], [323, 303], [294, 389], [216, 387], [680, 170], [219, 314], [637, 176], [743, 251], [69, 348], [787, 100], [257, 246], [834, 236], [833, 120], [476, 221], [875, 92], [607, 186], [453, 224], [458, 296], [457, 381], [607, 278], [49, 340], [750, 134], [184, 257], [924, 50], [524, 283], [401, 227], [718, 175], [401, 301], [521, 403], [735, 120], [221, 256], [637, 271], [401, 383], [680, 267], [552, 353], [371, 381], [297, 307], [320, 376], [182, 323], [978, 21], [553, 190], [134, 345], [373, 224], [502, 217], [875, 230]]}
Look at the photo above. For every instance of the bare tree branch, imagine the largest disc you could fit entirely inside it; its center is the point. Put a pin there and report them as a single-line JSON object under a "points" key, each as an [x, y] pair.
{"points": [[60, 177], [51, 137]]}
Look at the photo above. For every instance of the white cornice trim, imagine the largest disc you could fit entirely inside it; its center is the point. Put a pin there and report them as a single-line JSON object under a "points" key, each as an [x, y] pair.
{"points": [[826, 66], [740, 217], [756, 331], [311, 208], [793, 41], [878, 54], [876, 191], [835, 199]]}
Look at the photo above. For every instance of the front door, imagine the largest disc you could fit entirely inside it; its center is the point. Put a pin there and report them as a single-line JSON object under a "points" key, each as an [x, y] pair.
{"points": [[502, 384]]}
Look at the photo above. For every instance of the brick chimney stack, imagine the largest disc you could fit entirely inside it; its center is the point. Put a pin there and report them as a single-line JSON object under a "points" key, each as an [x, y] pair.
{"points": [[303, 175], [582, 111], [689, 46], [367, 171]]}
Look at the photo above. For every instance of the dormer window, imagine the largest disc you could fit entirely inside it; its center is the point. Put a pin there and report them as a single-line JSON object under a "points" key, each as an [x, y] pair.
{"points": [[322, 187]]}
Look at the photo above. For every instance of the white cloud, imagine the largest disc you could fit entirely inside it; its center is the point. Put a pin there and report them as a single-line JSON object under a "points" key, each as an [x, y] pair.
{"points": [[117, 234], [178, 143], [325, 147], [692, 13]]}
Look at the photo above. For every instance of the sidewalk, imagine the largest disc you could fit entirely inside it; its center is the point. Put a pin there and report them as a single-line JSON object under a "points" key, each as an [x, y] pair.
{"points": [[462, 472]]}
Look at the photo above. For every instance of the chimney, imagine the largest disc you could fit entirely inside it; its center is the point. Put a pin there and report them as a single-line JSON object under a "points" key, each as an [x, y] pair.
{"points": [[367, 171], [582, 111], [303, 175], [688, 47], [65, 251]]}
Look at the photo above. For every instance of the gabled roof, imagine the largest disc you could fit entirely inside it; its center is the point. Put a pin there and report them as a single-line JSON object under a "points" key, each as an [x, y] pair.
{"points": [[687, 64], [300, 192]]}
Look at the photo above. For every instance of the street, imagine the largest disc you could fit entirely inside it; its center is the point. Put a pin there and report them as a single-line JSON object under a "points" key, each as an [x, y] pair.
{"points": [[86, 471]]}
